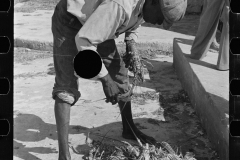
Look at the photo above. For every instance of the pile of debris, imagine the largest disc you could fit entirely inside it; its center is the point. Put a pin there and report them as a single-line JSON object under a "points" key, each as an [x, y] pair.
{"points": [[160, 151]]}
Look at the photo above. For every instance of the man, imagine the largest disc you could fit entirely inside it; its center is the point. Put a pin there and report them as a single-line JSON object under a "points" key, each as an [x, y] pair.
{"points": [[207, 31], [83, 30], [214, 45]]}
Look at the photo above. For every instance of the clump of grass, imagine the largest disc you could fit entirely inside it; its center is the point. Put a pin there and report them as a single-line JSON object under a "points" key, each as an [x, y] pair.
{"points": [[127, 151], [23, 55], [180, 97], [141, 98], [146, 50], [30, 75], [149, 50], [33, 5]]}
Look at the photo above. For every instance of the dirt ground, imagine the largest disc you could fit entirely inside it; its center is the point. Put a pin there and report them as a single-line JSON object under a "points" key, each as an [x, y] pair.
{"points": [[160, 108]]}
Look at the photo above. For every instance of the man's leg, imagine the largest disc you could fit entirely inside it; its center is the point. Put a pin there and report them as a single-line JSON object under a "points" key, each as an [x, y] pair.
{"points": [[214, 44], [65, 93], [129, 128], [207, 29], [62, 115], [119, 74], [65, 90], [223, 58]]}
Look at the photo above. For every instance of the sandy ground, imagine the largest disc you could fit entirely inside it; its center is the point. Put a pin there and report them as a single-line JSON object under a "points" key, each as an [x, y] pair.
{"points": [[160, 108]]}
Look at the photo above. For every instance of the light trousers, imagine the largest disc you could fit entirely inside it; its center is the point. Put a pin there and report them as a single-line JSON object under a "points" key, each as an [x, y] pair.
{"points": [[207, 31]]}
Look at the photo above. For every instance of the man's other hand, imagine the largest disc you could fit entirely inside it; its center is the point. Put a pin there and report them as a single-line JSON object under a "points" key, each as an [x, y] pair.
{"points": [[132, 60], [110, 89]]}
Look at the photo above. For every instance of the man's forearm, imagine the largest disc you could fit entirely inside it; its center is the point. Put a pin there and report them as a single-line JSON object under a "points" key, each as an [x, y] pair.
{"points": [[133, 35]]}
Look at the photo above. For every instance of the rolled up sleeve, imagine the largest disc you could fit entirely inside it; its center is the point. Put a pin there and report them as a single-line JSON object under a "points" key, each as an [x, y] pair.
{"points": [[100, 26], [131, 35]]}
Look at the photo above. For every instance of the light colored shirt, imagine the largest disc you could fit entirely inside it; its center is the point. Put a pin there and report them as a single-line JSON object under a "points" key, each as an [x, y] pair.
{"points": [[103, 20]]}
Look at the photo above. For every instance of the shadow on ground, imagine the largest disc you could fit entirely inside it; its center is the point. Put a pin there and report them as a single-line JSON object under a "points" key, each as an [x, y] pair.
{"points": [[181, 127], [31, 128], [198, 62], [170, 100]]}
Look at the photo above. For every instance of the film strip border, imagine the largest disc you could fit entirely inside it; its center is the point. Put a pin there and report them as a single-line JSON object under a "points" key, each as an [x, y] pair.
{"points": [[6, 79], [234, 110]]}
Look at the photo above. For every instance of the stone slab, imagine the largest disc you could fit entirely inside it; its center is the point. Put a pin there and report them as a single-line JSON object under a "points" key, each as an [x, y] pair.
{"points": [[208, 90]]}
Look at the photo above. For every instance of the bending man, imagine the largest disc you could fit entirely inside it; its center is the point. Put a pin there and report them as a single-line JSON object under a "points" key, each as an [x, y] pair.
{"points": [[80, 25]]}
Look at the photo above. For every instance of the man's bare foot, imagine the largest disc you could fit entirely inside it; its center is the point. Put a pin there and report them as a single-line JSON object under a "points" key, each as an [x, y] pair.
{"points": [[222, 68], [64, 157], [215, 46], [129, 128]]}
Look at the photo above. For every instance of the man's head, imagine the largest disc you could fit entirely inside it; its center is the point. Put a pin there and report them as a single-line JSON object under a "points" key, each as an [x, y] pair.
{"points": [[152, 12], [164, 12]]}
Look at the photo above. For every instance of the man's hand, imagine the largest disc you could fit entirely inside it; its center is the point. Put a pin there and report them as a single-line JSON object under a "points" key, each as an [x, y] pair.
{"points": [[132, 60], [110, 89]]}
